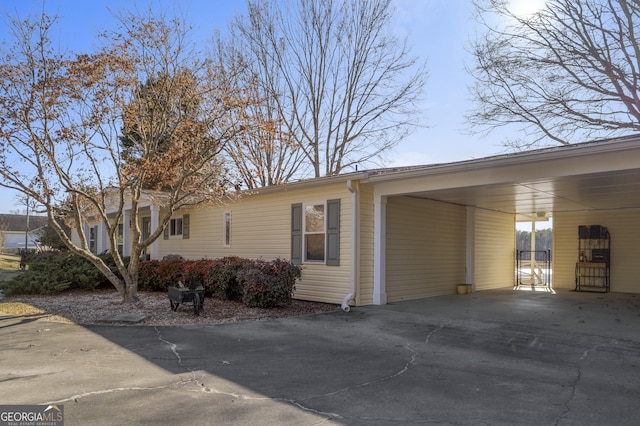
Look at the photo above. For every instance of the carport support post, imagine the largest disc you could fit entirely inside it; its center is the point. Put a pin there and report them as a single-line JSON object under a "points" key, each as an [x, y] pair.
{"points": [[471, 247], [379, 249]]}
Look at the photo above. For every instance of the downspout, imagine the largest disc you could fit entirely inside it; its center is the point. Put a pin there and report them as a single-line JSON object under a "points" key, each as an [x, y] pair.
{"points": [[354, 245]]}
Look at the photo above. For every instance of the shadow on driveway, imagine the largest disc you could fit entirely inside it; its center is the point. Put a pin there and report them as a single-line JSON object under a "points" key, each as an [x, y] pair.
{"points": [[492, 357]]}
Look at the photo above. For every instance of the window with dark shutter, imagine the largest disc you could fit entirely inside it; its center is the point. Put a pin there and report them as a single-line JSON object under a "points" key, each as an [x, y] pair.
{"points": [[333, 233], [186, 221], [296, 234], [315, 233], [226, 229]]}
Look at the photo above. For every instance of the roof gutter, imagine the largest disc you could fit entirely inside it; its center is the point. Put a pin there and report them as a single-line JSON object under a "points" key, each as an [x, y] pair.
{"points": [[631, 144]]}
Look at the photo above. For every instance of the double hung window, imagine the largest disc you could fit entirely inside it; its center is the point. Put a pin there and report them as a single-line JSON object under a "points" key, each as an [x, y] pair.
{"points": [[178, 227], [175, 226], [315, 233]]}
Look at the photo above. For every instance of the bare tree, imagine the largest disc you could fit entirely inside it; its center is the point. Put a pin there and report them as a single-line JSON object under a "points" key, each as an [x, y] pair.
{"points": [[567, 73], [266, 155], [62, 115], [342, 86]]}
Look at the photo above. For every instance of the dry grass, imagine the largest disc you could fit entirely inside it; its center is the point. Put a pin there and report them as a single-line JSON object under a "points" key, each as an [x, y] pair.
{"points": [[9, 262], [9, 266]]}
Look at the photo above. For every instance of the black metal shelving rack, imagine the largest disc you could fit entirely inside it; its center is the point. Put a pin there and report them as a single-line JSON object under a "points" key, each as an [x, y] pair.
{"points": [[593, 268]]}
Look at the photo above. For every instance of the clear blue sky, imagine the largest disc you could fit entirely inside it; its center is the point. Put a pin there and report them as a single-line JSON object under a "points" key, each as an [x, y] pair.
{"points": [[437, 30]]}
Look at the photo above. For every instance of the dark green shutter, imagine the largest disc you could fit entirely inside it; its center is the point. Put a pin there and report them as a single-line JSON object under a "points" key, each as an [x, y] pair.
{"points": [[185, 227], [333, 233], [296, 234], [166, 231]]}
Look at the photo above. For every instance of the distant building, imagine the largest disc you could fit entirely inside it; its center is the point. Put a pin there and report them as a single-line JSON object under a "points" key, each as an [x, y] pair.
{"points": [[13, 231]]}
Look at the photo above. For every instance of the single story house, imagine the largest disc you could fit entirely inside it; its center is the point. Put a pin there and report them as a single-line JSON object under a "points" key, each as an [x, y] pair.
{"points": [[15, 234], [387, 235]]}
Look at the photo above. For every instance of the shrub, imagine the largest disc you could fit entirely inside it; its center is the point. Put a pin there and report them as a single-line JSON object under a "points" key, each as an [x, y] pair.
{"points": [[222, 280], [159, 275], [53, 272], [33, 284], [217, 276], [169, 272], [199, 271], [268, 284], [147, 276], [257, 283]]}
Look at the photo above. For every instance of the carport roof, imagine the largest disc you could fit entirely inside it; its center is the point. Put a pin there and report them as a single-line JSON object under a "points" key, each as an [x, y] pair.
{"points": [[596, 175]]}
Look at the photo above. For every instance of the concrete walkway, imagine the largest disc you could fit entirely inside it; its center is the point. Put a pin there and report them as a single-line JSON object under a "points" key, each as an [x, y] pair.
{"points": [[490, 358]]}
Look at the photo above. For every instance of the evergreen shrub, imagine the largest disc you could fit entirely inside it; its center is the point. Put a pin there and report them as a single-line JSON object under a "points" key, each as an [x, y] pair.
{"points": [[54, 272]]}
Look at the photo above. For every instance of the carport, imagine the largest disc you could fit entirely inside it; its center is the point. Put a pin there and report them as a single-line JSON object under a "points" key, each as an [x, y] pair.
{"points": [[441, 225]]}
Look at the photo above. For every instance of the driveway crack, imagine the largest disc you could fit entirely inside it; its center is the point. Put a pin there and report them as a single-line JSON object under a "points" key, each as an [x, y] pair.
{"points": [[77, 397], [574, 385], [370, 382], [434, 331], [586, 353]]}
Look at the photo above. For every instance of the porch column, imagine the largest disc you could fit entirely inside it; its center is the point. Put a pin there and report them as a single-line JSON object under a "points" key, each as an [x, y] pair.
{"points": [[126, 230], [103, 238], [471, 247], [379, 250], [154, 248]]}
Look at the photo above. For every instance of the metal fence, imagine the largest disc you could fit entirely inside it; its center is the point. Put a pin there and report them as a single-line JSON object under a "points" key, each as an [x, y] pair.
{"points": [[533, 268]]}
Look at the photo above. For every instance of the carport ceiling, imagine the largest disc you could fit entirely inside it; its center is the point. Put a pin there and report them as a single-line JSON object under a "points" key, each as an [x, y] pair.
{"points": [[596, 191]]}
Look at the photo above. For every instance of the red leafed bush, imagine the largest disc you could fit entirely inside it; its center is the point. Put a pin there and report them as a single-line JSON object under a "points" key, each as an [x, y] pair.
{"points": [[257, 283], [158, 275], [268, 284]]}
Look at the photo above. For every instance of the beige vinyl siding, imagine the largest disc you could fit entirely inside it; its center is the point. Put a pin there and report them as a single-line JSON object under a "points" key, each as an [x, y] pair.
{"points": [[75, 237], [261, 228], [624, 228], [426, 248], [564, 253], [365, 246], [495, 245], [101, 243]]}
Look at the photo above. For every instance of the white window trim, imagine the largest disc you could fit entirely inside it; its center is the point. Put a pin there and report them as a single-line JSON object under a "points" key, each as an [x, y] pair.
{"points": [[225, 244], [305, 233], [120, 238]]}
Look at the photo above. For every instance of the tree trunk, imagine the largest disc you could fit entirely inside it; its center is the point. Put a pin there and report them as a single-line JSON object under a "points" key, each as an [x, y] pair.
{"points": [[131, 294]]}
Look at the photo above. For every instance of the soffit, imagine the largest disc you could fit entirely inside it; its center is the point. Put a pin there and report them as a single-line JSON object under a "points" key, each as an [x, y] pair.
{"points": [[593, 191], [601, 175]]}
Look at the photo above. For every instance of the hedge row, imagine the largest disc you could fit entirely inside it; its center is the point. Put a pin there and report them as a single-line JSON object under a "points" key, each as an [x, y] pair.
{"points": [[53, 272], [256, 283]]}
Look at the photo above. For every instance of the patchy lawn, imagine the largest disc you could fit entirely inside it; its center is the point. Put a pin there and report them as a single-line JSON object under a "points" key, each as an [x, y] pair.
{"points": [[9, 266]]}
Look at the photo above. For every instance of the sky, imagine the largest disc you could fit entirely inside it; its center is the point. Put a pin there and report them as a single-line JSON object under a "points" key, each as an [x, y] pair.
{"points": [[438, 31]]}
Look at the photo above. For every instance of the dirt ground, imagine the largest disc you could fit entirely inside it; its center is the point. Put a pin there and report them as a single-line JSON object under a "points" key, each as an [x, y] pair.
{"points": [[101, 306]]}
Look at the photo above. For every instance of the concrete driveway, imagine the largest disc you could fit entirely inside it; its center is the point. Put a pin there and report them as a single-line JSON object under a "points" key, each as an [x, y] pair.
{"points": [[492, 357]]}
